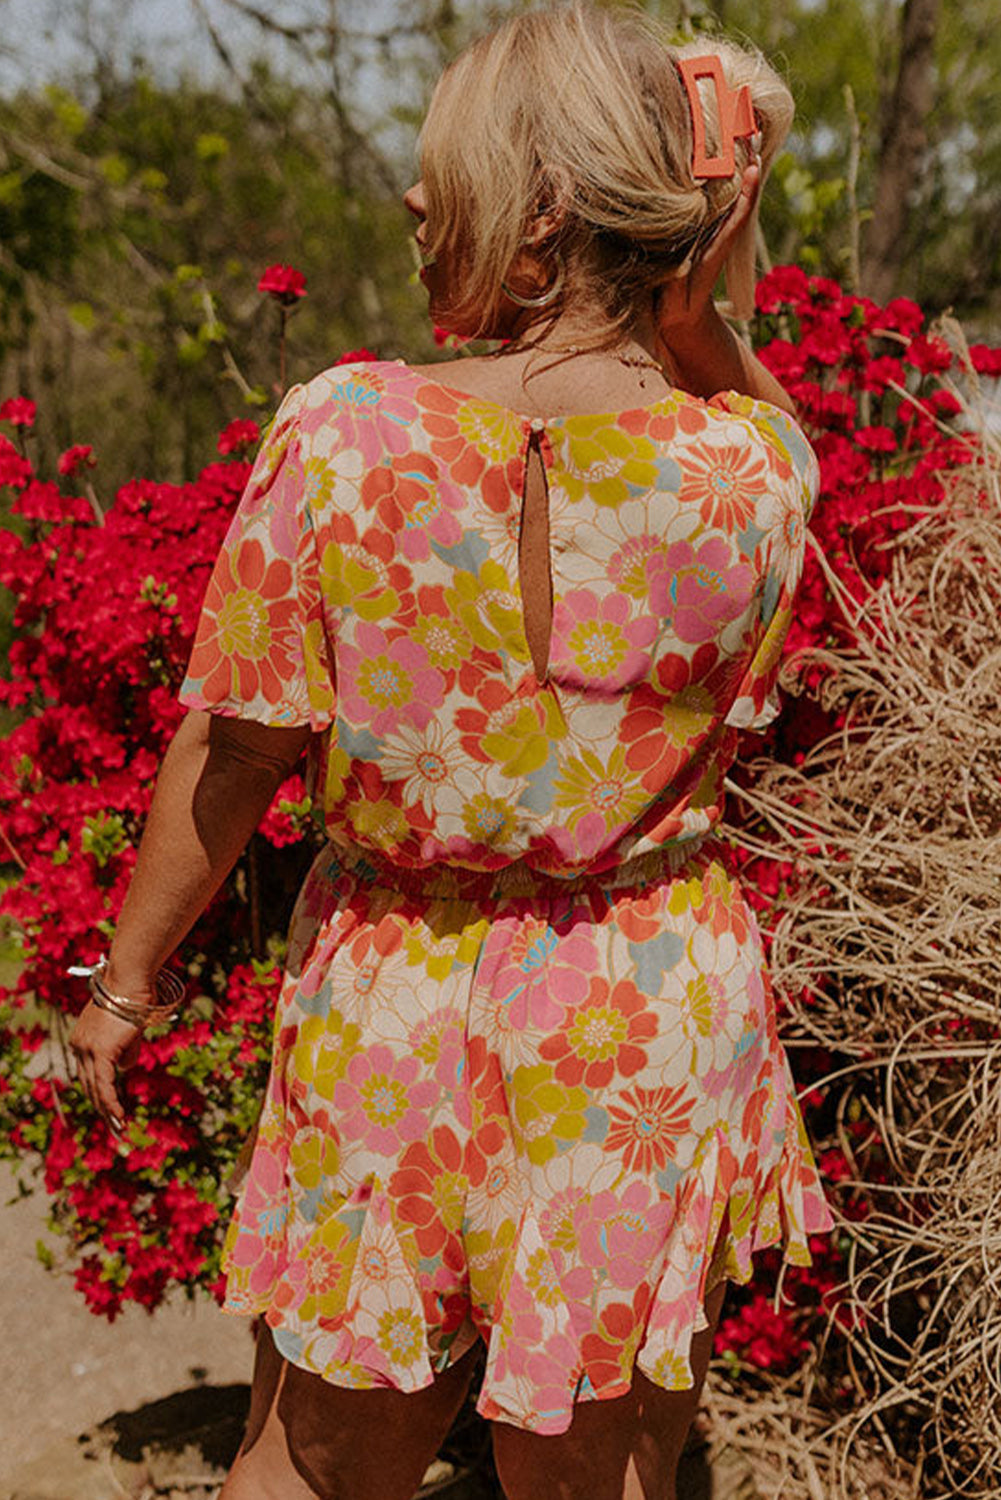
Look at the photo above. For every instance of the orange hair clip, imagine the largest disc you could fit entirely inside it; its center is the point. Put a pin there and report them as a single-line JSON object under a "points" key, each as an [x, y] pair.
{"points": [[735, 110]]}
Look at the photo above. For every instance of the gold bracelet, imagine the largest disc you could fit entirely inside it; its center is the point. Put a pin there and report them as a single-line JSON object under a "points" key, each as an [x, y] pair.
{"points": [[168, 986]]}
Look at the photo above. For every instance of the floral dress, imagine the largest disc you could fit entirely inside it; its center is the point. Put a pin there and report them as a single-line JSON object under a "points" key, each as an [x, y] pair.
{"points": [[526, 1084]]}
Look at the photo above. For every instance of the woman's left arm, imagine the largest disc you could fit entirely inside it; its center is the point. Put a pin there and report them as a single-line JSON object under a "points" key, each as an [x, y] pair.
{"points": [[217, 780]]}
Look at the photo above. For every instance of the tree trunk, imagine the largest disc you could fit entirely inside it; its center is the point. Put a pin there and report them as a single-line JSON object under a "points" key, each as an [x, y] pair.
{"points": [[903, 143]]}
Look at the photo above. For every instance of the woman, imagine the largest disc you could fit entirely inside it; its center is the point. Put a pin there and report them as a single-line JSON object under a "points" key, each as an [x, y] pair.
{"points": [[526, 1089]]}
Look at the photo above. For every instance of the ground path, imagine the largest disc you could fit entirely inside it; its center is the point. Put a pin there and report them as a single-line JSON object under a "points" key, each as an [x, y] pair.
{"points": [[170, 1390]]}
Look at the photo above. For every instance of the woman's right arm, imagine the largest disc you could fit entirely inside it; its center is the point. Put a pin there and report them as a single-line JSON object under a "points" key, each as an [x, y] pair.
{"points": [[704, 352], [709, 357]]}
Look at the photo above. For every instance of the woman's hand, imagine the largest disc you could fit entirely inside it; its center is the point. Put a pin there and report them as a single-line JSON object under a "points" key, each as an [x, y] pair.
{"points": [[216, 783], [685, 300], [102, 1045]]}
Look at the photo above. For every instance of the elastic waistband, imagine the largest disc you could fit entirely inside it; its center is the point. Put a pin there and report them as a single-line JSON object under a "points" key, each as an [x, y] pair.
{"points": [[518, 878]]}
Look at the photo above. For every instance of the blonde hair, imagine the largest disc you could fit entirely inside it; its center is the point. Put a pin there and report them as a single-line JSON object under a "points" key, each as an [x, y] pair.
{"points": [[583, 109]]}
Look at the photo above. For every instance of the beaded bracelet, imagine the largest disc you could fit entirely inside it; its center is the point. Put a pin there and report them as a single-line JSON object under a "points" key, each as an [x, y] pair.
{"points": [[169, 991]]}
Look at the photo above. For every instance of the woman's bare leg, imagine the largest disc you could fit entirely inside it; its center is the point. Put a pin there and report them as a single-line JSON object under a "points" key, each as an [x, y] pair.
{"points": [[309, 1440], [624, 1449]]}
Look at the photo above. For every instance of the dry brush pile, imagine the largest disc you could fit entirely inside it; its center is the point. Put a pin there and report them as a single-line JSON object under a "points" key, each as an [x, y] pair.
{"points": [[891, 930]]}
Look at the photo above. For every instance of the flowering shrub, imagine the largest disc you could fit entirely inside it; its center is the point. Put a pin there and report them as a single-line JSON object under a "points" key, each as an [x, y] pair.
{"points": [[284, 283], [106, 610]]}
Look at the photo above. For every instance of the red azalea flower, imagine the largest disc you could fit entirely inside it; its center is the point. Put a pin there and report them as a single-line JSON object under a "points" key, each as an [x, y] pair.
{"points": [[284, 283], [19, 411], [899, 316], [14, 470], [985, 360], [876, 439], [80, 456], [930, 356], [355, 356], [239, 435], [784, 284]]}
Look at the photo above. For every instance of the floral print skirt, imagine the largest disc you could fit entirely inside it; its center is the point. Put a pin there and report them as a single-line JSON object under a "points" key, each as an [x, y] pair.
{"points": [[549, 1114]]}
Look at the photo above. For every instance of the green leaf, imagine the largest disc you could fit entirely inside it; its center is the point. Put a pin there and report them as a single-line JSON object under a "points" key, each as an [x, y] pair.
{"points": [[11, 184], [210, 147], [189, 350], [103, 835], [83, 315], [153, 180], [114, 169], [69, 112], [44, 1254]]}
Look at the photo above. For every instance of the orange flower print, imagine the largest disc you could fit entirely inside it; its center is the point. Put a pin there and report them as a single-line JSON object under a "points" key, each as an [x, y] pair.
{"points": [[414, 502], [429, 1189], [479, 442], [247, 643], [725, 481], [602, 1037], [644, 1127]]}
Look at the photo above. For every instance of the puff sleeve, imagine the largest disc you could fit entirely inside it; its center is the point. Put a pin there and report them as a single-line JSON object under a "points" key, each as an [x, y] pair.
{"points": [[794, 485], [261, 650]]}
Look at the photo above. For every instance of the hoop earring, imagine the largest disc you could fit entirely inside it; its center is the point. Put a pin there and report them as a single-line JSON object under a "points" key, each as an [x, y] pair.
{"points": [[544, 298]]}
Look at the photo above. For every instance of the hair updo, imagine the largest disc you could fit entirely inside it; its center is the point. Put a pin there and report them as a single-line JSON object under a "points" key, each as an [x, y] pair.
{"points": [[584, 109]]}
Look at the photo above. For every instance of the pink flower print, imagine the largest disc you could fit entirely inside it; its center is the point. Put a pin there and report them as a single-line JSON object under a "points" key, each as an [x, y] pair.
{"points": [[554, 1372], [519, 1329], [415, 502], [383, 1104], [439, 1042], [386, 683], [536, 973], [596, 645], [260, 1238], [699, 590], [623, 1232], [361, 413]]}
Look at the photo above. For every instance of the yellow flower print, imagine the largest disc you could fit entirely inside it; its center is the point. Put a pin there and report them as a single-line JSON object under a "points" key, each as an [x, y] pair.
{"points": [[352, 575], [329, 1254], [743, 1211], [586, 784], [243, 625], [324, 1047], [381, 823], [487, 1254], [520, 745], [445, 641], [598, 647], [545, 1111], [685, 895], [488, 608], [449, 1197], [494, 432], [700, 1004], [313, 1155], [384, 682], [384, 1099], [338, 766], [629, 566], [543, 1280], [401, 1336], [601, 461], [598, 1032], [672, 1372], [488, 820], [563, 1234], [451, 951]]}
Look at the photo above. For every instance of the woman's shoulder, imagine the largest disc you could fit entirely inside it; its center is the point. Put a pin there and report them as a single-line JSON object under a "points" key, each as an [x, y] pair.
{"points": [[778, 432]]}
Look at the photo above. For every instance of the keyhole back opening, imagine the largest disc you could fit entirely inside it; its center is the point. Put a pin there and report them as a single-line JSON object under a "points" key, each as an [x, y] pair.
{"points": [[535, 576]]}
